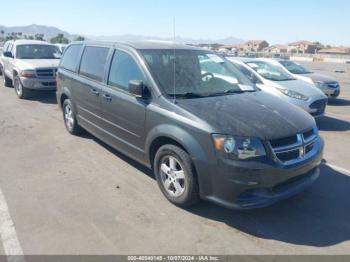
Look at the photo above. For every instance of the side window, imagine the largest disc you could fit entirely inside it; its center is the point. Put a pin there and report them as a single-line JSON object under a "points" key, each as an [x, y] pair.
{"points": [[70, 58], [123, 69], [93, 62]]}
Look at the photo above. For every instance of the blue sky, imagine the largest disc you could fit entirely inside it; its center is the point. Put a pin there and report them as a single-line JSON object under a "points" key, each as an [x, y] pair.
{"points": [[278, 21]]}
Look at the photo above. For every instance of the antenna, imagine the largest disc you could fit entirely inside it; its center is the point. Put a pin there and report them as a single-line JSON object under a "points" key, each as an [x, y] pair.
{"points": [[174, 76]]}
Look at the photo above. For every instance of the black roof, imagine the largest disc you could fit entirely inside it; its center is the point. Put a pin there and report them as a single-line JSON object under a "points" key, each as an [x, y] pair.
{"points": [[145, 45]]}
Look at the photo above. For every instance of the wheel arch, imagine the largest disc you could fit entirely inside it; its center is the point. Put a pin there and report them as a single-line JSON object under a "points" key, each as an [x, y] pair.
{"points": [[169, 134]]}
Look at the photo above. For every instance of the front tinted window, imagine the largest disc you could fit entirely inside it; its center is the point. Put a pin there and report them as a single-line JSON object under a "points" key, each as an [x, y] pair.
{"points": [[270, 71], [93, 62], [123, 69], [185, 73], [295, 68], [38, 52], [70, 58]]}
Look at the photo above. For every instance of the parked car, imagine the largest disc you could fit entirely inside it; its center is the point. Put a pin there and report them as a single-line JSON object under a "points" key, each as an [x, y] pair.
{"points": [[29, 65], [329, 85], [205, 137], [273, 79]]}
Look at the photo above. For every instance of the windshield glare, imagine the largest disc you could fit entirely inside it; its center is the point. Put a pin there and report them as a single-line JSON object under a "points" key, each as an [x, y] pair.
{"points": [[270, 71], [195, 72], [38, 52], [295, 68]]}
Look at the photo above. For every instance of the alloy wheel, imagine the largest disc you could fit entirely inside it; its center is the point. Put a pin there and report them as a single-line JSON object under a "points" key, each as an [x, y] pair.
{"points": [[68, 117], [173, 176]]}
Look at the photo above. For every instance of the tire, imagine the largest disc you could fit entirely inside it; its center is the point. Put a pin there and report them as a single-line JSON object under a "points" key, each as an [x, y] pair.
{"points": [[0, 70], [7, 81], [20, 90], [180, 188], [69, 117]]}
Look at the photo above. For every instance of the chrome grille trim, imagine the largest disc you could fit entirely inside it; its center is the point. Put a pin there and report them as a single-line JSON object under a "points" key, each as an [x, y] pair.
{"points": [[304, 148], [46, 72]]}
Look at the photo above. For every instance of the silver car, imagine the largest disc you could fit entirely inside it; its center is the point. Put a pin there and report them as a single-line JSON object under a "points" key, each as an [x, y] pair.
{"points": [[329, 85], [29, 65], [275, 80]]}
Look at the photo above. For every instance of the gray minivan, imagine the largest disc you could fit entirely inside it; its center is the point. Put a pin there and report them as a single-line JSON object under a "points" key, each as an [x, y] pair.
{"points": [[207, 135]]}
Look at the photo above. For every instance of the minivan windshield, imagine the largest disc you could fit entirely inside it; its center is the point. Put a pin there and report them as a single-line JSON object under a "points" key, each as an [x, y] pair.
{"points": [[195, 73], [295, 68], [38, 52], [270, 71]]}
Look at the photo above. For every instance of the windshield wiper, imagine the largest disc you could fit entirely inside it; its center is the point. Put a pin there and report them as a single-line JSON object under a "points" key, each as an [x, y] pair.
{"points": [[188, 95]]}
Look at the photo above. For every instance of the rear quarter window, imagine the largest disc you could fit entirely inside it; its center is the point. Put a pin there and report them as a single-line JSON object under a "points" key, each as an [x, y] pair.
{"points": [[70, 58], [93, 62]]}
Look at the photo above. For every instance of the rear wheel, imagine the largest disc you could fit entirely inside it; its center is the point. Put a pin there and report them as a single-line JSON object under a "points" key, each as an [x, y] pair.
{"points": [[69, 117], [7, 81], [176, 176], [20, 90]]}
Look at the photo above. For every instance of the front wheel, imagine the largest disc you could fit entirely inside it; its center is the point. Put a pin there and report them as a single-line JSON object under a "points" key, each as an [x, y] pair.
{"points": [[7, 81], [176, 176], [20, 90], [70, 119]]}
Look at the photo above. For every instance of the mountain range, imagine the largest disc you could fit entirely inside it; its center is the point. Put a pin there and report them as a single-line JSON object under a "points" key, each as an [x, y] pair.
{"points": [[50, 32]]}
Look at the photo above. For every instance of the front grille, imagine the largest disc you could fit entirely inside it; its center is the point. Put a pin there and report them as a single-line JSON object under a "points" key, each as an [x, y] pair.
{"points": [[320, 106], [46, 72], [49, 84], [294, 148], [333, 84], [284, 141]]}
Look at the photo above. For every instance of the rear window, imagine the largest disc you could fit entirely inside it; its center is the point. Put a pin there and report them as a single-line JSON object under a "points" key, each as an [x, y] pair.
{"points": [[93, 62], [71, 57]]}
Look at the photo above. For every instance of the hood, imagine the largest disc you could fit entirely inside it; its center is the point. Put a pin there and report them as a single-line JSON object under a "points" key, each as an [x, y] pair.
{"points": [[320, 78], [258, 114], [301, 87], [36, 63]]}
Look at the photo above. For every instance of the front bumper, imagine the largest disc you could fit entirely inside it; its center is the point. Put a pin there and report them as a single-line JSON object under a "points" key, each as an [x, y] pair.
{"points": [[332, 92], [315, 106], [249, 185], [39, 83]]}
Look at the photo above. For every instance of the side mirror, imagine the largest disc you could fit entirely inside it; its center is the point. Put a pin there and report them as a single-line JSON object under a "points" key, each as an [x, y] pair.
{"points": [[136, 88], [8, 54]]}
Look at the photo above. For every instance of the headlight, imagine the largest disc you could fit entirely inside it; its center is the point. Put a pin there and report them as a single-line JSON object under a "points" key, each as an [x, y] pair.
{"points": [[238, 148], [28, 73], [293, 94], [321, 84]]}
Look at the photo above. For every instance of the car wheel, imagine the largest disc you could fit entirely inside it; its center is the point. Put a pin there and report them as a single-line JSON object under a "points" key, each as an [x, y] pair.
{"points": [[0, 70], [176, 176], [20, 90], [69, 117], [7, 81]]}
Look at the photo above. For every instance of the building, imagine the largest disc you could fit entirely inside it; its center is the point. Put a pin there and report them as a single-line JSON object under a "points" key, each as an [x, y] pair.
{"points": [[335, 51], [302, 47], [250, 46], [255, 45], [237, 47], [276, 49]]}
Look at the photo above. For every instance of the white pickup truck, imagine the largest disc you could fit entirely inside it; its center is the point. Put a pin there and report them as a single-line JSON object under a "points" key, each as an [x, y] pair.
{"points": [[29, 65]]}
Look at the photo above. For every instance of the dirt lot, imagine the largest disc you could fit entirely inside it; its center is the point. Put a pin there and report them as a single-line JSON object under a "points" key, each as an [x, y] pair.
{"points": [[75, 195]]}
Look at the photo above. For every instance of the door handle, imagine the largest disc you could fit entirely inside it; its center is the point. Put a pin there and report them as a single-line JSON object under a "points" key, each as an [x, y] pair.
{"points": [[94, 92], [107, 97]]}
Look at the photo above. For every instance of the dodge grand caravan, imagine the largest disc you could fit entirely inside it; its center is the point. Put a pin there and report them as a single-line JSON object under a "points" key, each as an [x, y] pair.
{"points": [[207, 135]]}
